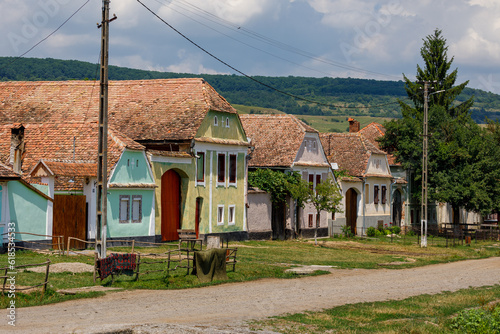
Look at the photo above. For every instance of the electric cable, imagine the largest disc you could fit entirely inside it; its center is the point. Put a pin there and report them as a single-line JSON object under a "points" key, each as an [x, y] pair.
{"points": [[252, 78]]}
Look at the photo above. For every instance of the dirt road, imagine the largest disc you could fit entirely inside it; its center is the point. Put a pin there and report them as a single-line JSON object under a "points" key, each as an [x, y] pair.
{"points": [[225, 308]]}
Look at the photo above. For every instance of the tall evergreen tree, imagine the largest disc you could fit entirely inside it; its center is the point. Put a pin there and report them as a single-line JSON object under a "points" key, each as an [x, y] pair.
{"points": [[455, 144]]}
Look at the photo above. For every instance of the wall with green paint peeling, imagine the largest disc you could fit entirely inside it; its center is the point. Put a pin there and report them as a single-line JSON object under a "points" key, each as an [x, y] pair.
{"points": [[210, 130], [115, 228], [27, 209], [131, 168]]}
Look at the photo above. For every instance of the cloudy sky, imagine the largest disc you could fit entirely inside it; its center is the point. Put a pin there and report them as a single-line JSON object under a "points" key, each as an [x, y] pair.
{"points": [[376, 39]]}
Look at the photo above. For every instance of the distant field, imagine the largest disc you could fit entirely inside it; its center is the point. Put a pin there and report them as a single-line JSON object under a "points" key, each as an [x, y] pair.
{"points": [[320, 123]]}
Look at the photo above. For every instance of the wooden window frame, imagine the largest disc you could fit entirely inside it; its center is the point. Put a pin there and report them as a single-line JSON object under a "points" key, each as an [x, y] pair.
{"points": [[311, 181], [136, 198], [233, 170], [376, 189], [221, 169], [123, 199], [384, 194], [310, 218], [200, 161]]}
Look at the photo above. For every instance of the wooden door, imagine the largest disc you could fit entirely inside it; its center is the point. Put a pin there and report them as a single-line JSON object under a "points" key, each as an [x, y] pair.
{"points": [[70, 219], [351, 199], [278, 220], [170, 205], [397, 208]]}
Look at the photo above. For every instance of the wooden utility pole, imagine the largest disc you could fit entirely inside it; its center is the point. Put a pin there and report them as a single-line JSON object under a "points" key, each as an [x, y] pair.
{"points": [[102, 155], [423, 225]]}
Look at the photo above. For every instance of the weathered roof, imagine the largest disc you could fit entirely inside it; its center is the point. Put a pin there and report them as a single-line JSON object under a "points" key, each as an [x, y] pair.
{"points": [[162, 109], [53, 143], [374, 131], [351, 151], [6, 172], [276, 138]]}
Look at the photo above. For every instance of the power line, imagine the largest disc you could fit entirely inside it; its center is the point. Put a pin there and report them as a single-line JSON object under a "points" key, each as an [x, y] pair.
{"points": [[252, 78], [262, 38], [46, 37]]}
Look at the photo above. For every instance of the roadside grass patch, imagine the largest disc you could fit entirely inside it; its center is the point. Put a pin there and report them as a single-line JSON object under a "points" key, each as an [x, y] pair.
{"points": [[256, 260], [420, 314]]}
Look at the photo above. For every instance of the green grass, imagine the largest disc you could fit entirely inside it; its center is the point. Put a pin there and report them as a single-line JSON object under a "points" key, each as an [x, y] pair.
{"points": [[259, 259], [421, 314], [338, 123]]}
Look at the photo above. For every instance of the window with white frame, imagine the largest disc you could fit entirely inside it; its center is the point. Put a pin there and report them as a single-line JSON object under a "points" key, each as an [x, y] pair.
{"points": [[220, 214], [124, 208], [137, 209], [230, 214], [227, 122], [216, 121]]}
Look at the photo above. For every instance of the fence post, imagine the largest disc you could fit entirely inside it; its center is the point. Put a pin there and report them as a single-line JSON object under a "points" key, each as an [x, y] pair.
{"points": [[46, 277]]}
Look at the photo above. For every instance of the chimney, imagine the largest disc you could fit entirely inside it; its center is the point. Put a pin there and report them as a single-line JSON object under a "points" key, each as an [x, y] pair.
{"points": [[353, 125], [17, 147]]}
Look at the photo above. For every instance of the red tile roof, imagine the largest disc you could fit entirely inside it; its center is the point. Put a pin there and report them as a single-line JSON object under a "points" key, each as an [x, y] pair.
{"points": [[6, 172], [53, 143], [374, 131], [163, 109], [276, 138], [351, 151]]}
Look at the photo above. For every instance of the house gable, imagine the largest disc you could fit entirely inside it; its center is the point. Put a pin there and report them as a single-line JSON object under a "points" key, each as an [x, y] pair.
{"points": [[132, 168], [221, 125]]}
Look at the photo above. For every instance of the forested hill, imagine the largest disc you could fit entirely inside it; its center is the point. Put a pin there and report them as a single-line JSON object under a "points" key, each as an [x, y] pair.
{"points": [[363, 97]]}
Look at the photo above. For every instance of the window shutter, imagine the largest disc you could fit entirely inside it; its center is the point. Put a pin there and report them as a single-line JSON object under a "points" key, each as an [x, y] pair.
{"points": [[375, 194]]}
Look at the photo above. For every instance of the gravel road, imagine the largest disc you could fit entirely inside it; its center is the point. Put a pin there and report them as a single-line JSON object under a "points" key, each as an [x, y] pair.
{"points": [[225, 308]]}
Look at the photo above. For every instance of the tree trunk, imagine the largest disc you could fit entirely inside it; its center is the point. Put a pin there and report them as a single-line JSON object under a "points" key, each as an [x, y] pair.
{"points": [[316, 229]]}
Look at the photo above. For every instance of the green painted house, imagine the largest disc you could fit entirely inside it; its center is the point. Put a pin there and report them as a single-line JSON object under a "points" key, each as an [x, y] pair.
{"points": [[181, 154]]}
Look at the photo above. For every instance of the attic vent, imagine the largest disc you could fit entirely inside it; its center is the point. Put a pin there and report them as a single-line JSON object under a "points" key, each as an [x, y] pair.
{"points": [[216, 121]]}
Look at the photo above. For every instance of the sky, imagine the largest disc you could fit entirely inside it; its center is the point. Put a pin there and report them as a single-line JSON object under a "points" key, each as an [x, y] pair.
{"points": [[371, 39]]}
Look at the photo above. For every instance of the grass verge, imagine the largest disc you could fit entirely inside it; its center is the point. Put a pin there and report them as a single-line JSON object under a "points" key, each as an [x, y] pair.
{"points": [[420, 314]]}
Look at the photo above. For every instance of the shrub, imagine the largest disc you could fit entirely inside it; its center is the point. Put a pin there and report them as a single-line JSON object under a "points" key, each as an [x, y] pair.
{"points": [[481, 321], [396, 229], [371, 231]]}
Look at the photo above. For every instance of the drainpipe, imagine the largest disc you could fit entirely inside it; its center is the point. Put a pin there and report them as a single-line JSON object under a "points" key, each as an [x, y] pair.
{"points": [[364, 204], [390, 200]]}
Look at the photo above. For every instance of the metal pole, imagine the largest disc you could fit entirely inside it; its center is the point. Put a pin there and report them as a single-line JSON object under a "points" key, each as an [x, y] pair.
{"points": [[423, 226], [102, 163]]}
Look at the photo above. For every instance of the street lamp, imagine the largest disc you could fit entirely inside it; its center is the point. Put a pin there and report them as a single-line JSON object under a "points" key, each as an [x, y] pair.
{"points": [[423, 223]]}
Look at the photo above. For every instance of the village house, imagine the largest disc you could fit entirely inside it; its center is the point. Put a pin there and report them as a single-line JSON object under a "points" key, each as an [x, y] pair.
{"points": [[365, 180], [193, 150], [59, 160], [284, 143]]}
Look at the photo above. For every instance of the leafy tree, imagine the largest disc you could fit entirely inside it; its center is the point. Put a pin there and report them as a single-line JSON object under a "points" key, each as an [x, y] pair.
{"points": [[276, 183], [326, 197], [456, 145]]}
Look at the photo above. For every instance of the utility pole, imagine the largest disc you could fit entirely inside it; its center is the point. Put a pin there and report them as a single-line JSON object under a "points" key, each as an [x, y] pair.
{"points": [[423, 224], [102, 155]]}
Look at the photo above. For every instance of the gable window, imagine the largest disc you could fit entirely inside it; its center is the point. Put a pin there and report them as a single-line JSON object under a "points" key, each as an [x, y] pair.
{"points": [[137, 209], [221, 168], [200, 167], [384, 194], [232, 169], [375, 194], [230, 215], [124, 208], [220, 215], [216, 121], [227, 122]]}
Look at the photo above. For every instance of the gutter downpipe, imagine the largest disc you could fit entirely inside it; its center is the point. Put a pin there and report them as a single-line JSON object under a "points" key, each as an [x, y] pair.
{"points": [[390, 201], [364, 205]]}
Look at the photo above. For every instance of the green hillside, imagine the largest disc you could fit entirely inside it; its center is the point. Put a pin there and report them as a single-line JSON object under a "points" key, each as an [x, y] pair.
{"points": [[337, 97]]}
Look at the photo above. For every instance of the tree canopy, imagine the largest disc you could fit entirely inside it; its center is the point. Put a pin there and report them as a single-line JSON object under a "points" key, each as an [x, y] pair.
{"points": [[460, 153]]}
